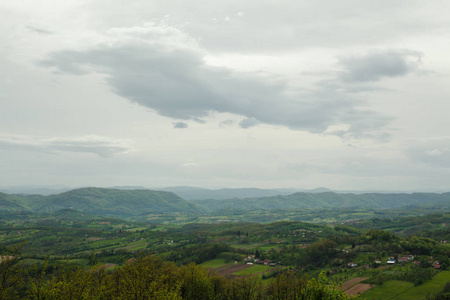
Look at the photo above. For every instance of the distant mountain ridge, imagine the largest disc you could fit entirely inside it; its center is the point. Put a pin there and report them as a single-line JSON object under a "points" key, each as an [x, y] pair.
{"points": [[128, 203], [193, 193], [100, 201], [303, 200]]}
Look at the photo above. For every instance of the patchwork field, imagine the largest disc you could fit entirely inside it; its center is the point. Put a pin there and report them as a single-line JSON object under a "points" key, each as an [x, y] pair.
{"points": [[401, 290]]}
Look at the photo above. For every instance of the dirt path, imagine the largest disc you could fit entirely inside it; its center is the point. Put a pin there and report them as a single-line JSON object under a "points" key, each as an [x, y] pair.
{"points": [[349, 283], [359, 289]]}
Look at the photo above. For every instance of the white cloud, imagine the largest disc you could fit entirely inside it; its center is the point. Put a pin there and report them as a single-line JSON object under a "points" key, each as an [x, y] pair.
{"points": [[101, 146], [434, 152]]}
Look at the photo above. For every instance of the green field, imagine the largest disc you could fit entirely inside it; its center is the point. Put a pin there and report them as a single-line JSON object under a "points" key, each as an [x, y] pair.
{"points": [[388, 290], [401, 290], [253, 270], [431, 287], [214, 263], [248, 246]]}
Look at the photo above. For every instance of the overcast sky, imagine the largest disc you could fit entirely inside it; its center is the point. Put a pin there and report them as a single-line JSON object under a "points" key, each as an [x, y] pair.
{"points": [[270, 94]]}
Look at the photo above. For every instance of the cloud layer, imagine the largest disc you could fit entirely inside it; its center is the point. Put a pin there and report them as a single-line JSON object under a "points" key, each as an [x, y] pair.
{"points": [[162, 68]]}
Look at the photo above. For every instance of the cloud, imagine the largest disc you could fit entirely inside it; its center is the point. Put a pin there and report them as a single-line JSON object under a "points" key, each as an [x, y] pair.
{"points": [[249, 122], [101, 146], [38, 29], [375, 65], [432, 151], [226, 123], [435, 152], [189, 164], [180, 125], [162, 68]]}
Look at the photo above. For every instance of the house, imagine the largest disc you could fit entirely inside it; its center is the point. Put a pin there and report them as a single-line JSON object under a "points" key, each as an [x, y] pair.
{"points": [[352, 265], [272, 264], [267, 262], [417, 262], [437, 264], [403, 259], [378, 261], [391, 261]]}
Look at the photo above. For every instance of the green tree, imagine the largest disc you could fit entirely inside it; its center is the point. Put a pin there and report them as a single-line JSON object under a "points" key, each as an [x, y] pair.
{"points": [[11, 272]]}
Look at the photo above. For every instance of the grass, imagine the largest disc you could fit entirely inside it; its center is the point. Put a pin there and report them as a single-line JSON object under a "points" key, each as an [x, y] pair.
{"points": [[253, 270], [269, 246], [248, 246], [431, 287], [401, 290], [77, 261], [388, 290], [214, 263]]}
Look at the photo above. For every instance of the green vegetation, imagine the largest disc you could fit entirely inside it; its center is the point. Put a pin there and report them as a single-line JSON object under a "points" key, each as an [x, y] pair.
{"points": [[147, 277], [389, 290], [255, 269], [269, 260], [214, 263], [104, 202], [328, 200], [401, 290]]}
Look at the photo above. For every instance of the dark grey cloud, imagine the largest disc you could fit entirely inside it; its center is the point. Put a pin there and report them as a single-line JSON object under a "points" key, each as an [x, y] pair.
{"points": [[249, 122], [375, 65], [180, 125], [38, 30], [226, 123], [173, 80], [100, 146]]}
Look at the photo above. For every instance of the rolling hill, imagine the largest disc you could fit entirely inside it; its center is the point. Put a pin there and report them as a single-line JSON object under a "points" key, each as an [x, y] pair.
{"points": [[328, 200], [100, 201], [128, 203]]}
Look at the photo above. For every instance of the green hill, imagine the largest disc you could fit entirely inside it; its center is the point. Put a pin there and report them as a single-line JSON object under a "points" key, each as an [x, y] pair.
{"points": [[126, 203], [113, 202], [99, 201], [329, 200], [13, 202]]}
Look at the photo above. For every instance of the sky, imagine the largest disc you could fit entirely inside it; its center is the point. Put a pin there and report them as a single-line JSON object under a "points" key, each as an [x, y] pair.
{"points": [[348, 95]]}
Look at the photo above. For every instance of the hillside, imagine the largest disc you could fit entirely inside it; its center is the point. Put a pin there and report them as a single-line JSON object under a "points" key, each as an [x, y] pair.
{"points": [[12, 202], [99, 201], [127, 203], [329, 200], [121, 203]]}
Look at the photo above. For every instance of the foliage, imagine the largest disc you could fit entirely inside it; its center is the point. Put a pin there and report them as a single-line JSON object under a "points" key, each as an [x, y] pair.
{"points": [[10, 271]]}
